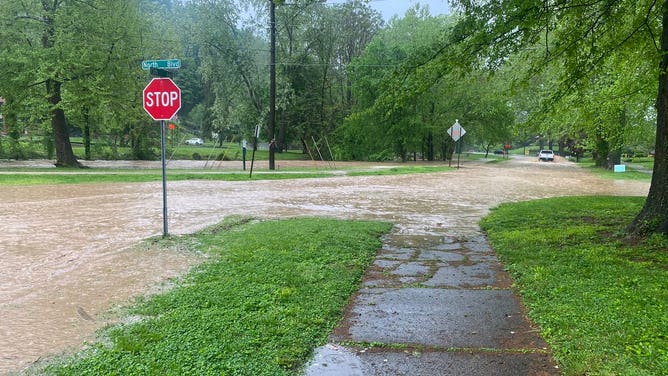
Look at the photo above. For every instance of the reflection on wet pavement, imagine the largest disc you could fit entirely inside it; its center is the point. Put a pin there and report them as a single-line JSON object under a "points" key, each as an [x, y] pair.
{"points": [[449, 297], [67, 256]]}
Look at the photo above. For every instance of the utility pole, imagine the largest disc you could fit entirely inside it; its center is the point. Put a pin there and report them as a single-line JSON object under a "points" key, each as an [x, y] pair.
{"points": [[272, 83]]}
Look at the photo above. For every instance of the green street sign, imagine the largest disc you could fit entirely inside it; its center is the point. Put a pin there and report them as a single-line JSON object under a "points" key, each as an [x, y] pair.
{"points": [[162, 64]]}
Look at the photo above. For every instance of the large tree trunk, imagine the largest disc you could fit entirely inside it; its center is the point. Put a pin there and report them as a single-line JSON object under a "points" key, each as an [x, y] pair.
{"points": [[86, 134], [12, 127], [64, 154], [653, 218], [614, 158], [282, 144], [430, 146], [61, 136], [601, 152], [272, 83]]}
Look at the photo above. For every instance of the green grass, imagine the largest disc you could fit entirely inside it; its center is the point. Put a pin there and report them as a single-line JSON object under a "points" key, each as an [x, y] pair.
{"points": [[273, 293], [629, 174], [208, 151], [398, 170], [646, 162], [37, 176], [230, 152], [33, 148], [600, 300], [132, 176]]}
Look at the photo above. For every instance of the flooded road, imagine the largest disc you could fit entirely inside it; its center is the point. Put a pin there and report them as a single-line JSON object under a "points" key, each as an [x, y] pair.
{"points": [[68, 257]]}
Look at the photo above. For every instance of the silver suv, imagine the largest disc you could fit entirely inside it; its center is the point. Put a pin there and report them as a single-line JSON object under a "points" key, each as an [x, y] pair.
{"points": [[546, 155]]}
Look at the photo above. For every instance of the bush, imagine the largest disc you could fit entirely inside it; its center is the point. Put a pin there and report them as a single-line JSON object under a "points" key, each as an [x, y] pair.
{"points": [[383, 156]]}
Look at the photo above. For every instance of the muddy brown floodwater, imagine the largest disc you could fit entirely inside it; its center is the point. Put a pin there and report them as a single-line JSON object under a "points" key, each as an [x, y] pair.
{"points": [[67, 255]]}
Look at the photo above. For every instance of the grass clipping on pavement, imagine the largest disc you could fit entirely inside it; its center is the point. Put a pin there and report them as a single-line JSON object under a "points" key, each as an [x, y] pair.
{"points": [[600, 299], [273, 293]]}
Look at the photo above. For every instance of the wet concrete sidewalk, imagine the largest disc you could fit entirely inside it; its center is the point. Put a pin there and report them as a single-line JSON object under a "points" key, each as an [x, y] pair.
{"points": [[434, 305]]}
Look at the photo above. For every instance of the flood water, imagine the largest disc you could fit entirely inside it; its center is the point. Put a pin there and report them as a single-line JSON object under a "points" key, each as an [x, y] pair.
{"points": [[68, 252]]}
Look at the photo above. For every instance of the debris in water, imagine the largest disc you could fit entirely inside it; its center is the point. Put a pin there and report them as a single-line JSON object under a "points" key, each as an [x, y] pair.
{"points": [[84, 315]]}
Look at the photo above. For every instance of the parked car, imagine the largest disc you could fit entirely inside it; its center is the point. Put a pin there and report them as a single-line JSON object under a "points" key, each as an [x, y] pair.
{"points": [[194, 141], [546, 155]]}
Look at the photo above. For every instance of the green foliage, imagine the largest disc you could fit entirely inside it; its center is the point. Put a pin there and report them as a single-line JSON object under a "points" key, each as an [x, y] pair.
{"points": [[599, 299], [314, 42], [272, 293], [407, 99], [231, 62], [372, 129], [319, 42], [73, 58], [601, 63]]}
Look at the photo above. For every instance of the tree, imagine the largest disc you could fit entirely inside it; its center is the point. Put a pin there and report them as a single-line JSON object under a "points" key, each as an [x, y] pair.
{"points": [[406, 106], [42, 47], [233, 63], [373, 131], [315, 42], [583, 37], [654, 215]]}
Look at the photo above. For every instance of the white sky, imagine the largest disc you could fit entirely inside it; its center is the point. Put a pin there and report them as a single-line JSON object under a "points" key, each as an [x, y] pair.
{"points": [[390, 8]]}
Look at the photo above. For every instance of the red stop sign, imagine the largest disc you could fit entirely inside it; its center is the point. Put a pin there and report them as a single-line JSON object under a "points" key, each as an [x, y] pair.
{"points": [[162, 98]]}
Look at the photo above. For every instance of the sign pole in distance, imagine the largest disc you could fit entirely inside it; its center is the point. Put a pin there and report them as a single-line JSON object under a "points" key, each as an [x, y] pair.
{"points": [[243, 147], [162, 100]]}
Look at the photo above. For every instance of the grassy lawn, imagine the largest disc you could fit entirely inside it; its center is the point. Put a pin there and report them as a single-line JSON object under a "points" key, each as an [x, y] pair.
{"points": [[272, 293], [229, 152], [33, 148], [646, 162], [630, 173], [50, 176], [600, 300], [36, 176], [400, 170]]}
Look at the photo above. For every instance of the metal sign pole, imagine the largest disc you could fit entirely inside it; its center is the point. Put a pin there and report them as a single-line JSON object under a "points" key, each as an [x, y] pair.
{"points": [[162, 100], [164, 180], [256, 135], [243, 147], [447, 154], [253, 157], [459, 151]]}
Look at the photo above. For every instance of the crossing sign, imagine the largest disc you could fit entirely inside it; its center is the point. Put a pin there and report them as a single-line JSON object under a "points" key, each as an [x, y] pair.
{"points": [[456, 131]]}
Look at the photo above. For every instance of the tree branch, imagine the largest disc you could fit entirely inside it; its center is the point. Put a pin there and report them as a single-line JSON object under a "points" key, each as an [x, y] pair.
{"points": [[649, 27]]}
